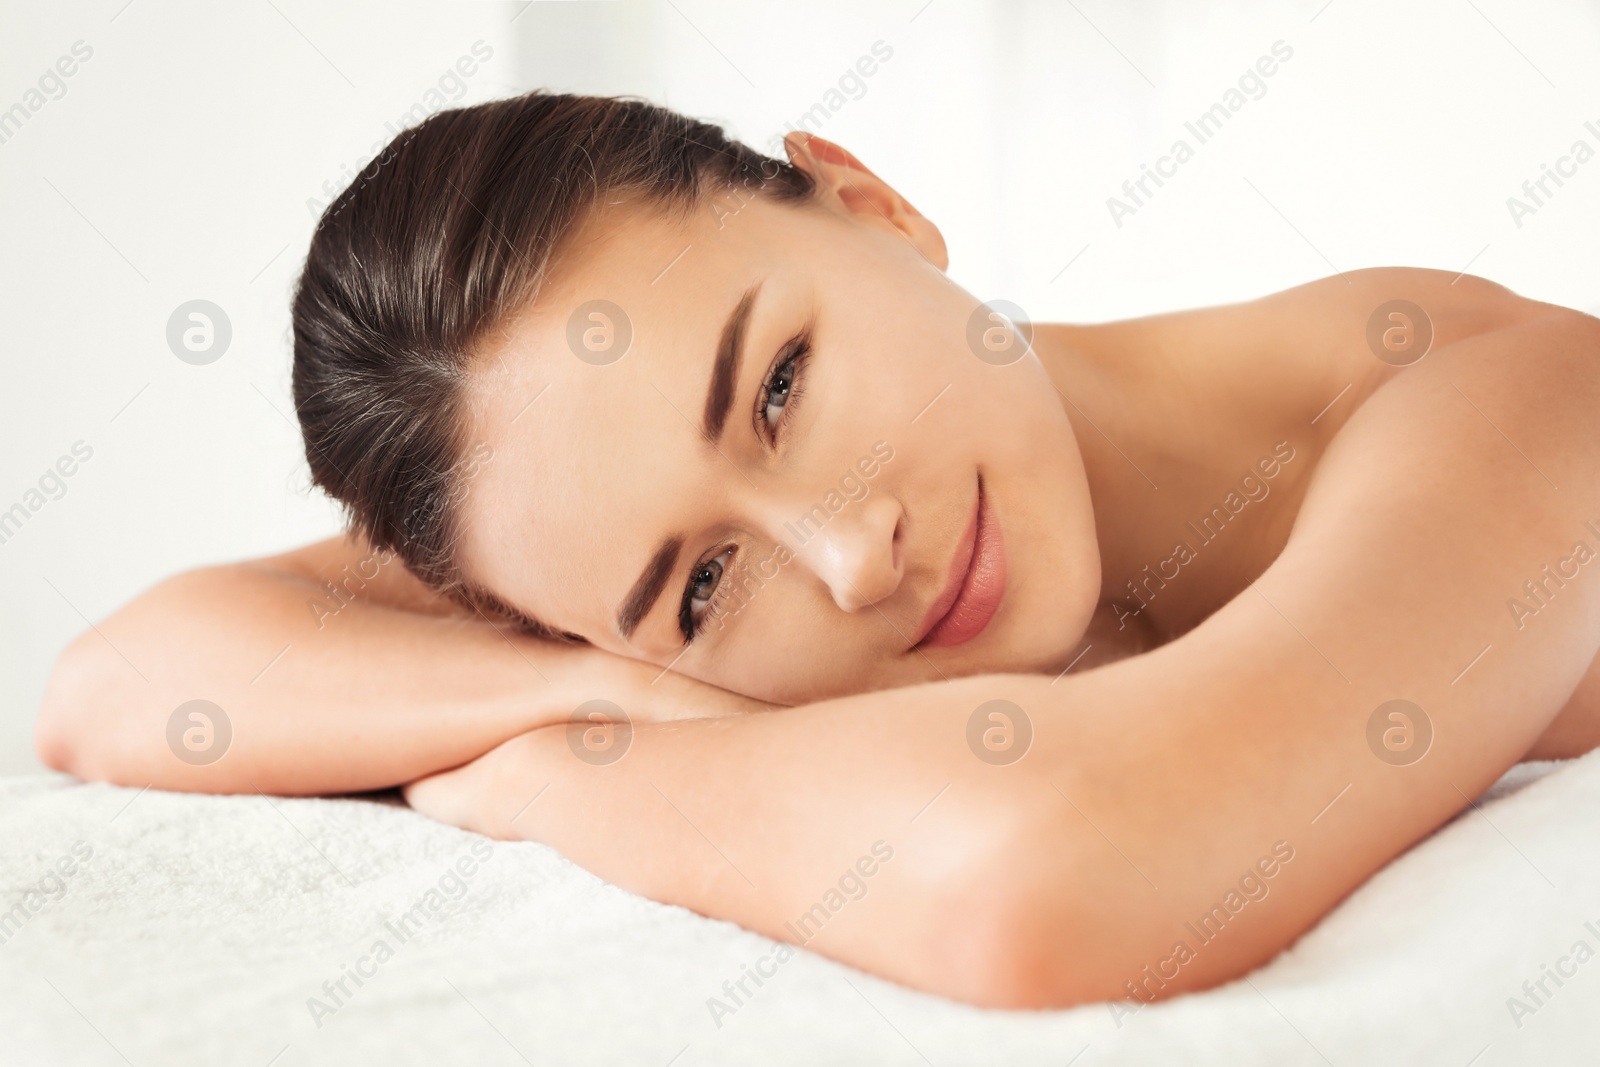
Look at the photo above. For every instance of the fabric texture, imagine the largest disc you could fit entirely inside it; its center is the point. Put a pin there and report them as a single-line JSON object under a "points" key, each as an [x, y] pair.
{"points": [[169, 929]]}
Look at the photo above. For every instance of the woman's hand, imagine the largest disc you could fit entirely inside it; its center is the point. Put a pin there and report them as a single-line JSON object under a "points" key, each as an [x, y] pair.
{"points": [[461, 797], [470, 796]]}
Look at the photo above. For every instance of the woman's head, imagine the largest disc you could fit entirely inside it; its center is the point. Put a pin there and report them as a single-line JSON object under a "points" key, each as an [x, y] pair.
{"points": [[588, 362]]}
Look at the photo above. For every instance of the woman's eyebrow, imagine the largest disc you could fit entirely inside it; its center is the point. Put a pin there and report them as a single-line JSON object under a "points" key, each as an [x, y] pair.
{"points": [[719, 399], [647, 590], [725, 368]]}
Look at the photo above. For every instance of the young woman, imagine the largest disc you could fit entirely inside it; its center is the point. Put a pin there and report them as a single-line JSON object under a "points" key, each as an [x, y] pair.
{"points": [[706, 530]]}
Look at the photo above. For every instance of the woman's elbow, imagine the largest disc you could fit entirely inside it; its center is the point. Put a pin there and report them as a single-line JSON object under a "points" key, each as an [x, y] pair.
{"points": [[52, 746], [64, 732], [1057, 919], [1005, 938], [1011, 954]]}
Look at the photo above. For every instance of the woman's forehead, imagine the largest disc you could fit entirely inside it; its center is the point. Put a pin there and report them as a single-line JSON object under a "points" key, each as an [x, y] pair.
{"points": [[627, 282]]}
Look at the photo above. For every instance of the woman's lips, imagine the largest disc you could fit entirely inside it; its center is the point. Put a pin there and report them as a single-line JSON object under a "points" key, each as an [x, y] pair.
{"points": [[976, 584]]}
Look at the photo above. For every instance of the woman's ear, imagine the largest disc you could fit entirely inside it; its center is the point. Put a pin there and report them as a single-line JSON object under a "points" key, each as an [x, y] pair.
{"points": [[847, 186]]}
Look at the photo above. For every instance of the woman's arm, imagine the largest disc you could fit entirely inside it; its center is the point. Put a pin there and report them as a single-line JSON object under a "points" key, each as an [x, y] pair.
{"points": [[337, 671], [1178, 817]]}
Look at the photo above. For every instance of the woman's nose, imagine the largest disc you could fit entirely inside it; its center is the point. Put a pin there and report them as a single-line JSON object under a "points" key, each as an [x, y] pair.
{"points": [[856, 550]]}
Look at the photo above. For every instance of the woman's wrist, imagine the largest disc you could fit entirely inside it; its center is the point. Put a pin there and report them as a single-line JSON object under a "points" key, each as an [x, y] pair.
{"points": [[471, 796]]}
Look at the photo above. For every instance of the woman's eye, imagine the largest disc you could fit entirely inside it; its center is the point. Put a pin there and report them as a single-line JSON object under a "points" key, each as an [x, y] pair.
{"points": [[704, 580], [782, 386], [778, 391]]}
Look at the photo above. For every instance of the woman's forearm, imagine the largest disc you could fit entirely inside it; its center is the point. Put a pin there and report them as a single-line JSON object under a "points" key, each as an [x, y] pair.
{"points": [[362, 685], [318, 694]]}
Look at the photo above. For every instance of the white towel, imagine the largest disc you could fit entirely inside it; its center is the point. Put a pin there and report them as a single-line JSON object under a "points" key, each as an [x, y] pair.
{"points": [[173, 929]]}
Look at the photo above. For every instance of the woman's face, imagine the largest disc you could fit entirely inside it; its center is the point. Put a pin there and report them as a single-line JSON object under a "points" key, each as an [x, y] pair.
{"points": [[785, 528]]}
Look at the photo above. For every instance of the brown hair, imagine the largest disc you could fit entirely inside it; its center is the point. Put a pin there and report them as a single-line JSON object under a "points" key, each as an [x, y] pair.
{"points": [[447, 233]]}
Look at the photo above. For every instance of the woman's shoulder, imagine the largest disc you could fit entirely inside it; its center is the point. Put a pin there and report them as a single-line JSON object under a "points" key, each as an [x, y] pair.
{"points": [[1342, 306], [1218, 386], [1315, 351]]}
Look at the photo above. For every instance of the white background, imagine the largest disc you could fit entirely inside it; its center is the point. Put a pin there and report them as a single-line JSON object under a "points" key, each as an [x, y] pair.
{"points": [[179, 162]]}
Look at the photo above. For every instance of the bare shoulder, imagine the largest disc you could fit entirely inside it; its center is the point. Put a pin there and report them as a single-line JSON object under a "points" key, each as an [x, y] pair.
{"points": [[1515, 376], [1279, 360], [351, 565], [1460, 304], [1288, 354], [1364, 326]]}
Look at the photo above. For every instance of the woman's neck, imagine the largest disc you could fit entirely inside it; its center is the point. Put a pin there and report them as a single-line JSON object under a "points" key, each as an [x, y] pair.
{"points": [[1124, 454], [1162, 446]]}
